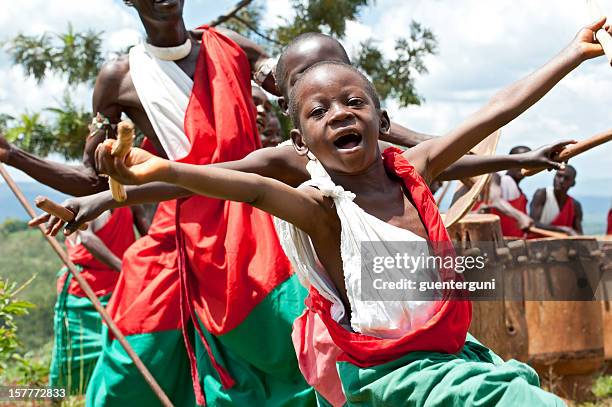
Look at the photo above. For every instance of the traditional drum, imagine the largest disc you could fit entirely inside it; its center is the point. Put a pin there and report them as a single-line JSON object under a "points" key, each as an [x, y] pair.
{"points": [[565, 337], [605, 293], [499, 324]]}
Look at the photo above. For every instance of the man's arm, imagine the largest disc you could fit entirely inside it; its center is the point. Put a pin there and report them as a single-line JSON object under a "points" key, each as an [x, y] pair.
{"points": [[99, 250], [496, 201], [402, 136], [578, 217], [141, 221], [76, 180], [473, 165]]}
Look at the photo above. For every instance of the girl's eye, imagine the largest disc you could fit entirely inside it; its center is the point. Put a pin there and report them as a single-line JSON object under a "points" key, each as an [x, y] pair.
{"points": [[317, 112], [355, 102]]}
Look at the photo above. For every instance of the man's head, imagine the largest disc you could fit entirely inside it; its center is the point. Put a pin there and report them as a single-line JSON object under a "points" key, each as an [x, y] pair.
{"points": [[516, 172], [263, 107], [158, 11], [337, 116], [271, 136], [565, 179], [304, 51]]}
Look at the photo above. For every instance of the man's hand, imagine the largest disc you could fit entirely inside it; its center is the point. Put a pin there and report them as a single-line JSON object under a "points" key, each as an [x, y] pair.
{"points": [[139, 166], [85, 209], [525, 222], [5, 149], [545, 156], [585, 42]]}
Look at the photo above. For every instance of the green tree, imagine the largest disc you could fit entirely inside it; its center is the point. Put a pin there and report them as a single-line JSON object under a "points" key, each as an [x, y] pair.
{"points": [[77, 56], [15, 365], [31, 133], [12, 225], [393, 78]]}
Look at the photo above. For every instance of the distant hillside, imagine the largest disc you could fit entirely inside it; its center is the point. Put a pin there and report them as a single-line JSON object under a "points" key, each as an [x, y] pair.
{"points": [[10, 206], [23, 254], [595, 207]]}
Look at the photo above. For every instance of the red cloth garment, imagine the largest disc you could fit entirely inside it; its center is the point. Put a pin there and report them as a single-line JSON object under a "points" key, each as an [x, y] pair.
{"points": [[566, 215], [317, 355], [229, 254], [609, 230], [148, 146], [509, 225], [117, 234], [445, 331]]}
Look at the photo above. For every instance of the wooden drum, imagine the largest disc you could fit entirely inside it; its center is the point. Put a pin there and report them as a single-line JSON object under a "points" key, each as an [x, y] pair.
{"points": [[605, 244], [500, 324], [565, 337]]}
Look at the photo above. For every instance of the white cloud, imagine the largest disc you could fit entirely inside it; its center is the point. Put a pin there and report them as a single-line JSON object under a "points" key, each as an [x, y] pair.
{"points": [[482, 47], [276, 12]]}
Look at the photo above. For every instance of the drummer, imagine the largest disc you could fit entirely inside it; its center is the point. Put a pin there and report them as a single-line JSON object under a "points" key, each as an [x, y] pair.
{"points": [[553, 209], [508, 201], [502, 196]]}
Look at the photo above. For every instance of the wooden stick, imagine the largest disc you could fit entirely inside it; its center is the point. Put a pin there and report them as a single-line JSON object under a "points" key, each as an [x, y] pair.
{"points": [[125, 137], [89, 293], [547, 233], [575, 149], [602, 35], [47, 205]]}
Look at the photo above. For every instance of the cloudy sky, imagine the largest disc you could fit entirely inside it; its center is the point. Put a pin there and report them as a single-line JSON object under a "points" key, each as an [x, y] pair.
{"points": [[483, 46]]}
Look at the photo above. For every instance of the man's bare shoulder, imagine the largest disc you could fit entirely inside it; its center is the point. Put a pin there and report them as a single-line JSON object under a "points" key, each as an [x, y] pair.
{"points": [[114, 72], [112, 84]]}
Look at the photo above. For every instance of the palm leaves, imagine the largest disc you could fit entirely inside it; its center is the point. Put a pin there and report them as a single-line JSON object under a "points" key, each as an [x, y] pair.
{"points": [[76, 56], [62, 131]]}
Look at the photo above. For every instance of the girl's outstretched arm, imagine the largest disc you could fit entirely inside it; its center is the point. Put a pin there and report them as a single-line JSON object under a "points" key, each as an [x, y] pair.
{"points": [[301, 207], [433, 156]]}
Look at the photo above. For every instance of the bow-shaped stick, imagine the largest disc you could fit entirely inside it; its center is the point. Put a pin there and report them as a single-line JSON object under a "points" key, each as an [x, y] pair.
{"points": [[163, 398], [575, 149]]}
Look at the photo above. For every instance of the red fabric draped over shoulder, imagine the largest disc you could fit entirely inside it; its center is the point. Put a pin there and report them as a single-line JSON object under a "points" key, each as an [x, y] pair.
{"points": [[230, 258], [445, 331]]}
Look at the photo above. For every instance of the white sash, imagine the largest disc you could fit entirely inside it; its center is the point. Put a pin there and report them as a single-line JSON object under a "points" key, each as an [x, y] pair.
{"points": [[164, 91], [380, 318], [551, 207]]}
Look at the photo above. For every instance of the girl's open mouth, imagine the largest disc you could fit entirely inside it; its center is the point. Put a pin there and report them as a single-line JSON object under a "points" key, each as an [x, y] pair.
{"points": [[348, 141]]}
